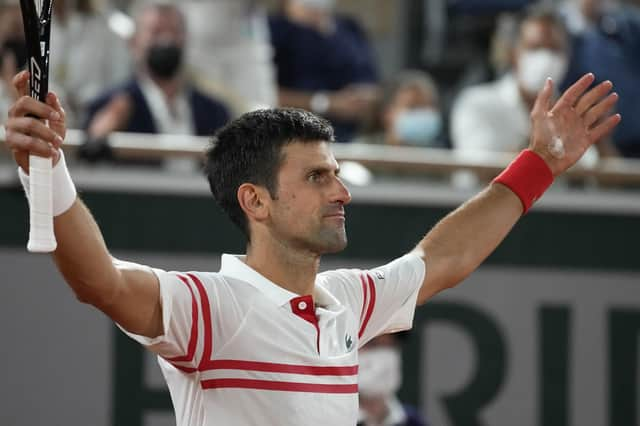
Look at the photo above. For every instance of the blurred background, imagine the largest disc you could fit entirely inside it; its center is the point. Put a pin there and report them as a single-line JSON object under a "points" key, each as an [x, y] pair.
{"points": [[430, 101]]}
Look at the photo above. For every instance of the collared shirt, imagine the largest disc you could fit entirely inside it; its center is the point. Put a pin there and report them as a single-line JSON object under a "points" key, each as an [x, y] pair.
{"points": [[238, 349], [174, 119]]}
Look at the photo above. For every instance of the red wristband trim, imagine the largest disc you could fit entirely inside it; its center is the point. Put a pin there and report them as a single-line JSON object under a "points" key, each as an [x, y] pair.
{"points": [[528, 176]]}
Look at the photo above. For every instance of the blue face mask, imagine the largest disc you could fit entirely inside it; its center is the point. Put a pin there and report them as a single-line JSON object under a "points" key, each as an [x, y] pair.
{"points": [[418, 127]]}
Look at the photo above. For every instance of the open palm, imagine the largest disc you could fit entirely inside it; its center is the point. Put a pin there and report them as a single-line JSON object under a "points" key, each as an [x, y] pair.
{"points": [[564, 130]]}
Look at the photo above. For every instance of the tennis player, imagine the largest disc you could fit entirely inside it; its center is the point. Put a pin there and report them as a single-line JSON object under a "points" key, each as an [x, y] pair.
{"points": [[268, 340]]}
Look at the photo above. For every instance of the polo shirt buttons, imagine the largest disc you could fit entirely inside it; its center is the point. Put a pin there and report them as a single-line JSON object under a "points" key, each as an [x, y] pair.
{"points": [[302, 305]]}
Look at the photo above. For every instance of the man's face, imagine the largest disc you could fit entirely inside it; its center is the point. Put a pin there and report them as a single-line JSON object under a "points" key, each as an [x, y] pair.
{"points": [[541, 53], [308, 210], [158, 26]]}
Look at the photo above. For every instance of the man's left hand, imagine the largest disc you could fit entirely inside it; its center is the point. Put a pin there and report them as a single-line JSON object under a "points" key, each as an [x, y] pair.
{"points": [[562, 132]]}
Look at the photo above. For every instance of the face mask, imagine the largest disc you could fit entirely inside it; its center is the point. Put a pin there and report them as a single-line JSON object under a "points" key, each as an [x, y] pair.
{"points": [[164, 60], [418, 126], [19, 50], [379, 371], [534, 66], [318, 4]]}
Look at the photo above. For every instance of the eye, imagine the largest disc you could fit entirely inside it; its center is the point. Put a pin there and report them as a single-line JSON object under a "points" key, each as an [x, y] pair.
{"points": [[316, 177]]}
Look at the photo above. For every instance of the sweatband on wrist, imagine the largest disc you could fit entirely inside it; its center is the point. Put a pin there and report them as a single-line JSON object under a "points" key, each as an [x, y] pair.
{"points": [[64, 191], [528, 176]]}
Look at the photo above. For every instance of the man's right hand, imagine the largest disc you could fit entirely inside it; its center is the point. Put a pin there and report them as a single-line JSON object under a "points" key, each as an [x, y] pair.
{"points": [[26, 131]]}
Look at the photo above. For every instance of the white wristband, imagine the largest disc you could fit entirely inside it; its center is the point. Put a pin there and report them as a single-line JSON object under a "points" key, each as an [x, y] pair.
{"points": [[64, 191]]}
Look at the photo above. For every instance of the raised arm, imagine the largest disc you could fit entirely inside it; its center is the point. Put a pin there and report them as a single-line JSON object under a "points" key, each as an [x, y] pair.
{"points": [[561, 133], [126, 292]]}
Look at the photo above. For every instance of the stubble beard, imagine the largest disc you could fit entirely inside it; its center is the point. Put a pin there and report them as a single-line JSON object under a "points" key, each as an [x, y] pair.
{"points": [[332, 240]]}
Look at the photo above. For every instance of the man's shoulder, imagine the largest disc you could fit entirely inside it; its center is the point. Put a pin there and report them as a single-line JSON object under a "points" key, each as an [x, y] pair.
{"points": [[209, 111]]}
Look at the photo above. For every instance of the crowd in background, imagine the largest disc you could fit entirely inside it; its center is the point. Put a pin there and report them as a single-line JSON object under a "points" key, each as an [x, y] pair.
{"points": [[189, 67]]}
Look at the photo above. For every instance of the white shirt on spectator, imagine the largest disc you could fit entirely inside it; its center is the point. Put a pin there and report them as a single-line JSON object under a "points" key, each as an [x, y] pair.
{"points": [[173, 119], [491, 117], [238, 349]]}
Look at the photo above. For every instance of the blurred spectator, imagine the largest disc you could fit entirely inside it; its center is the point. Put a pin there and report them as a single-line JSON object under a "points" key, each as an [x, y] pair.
{"points": [[13, 53], [242, 68], [408, 112], [495, 116], [606, 41], [86, 56], [159, 98], [324, 63], [379, 378]]}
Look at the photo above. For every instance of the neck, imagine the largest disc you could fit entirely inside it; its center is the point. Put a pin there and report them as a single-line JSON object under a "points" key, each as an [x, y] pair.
{"points": [[291, 269]]}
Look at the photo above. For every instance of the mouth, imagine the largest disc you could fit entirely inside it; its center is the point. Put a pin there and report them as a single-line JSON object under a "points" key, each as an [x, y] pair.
{"points": [[336, 215]]}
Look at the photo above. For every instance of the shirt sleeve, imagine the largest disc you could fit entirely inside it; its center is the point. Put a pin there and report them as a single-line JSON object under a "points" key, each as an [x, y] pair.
{"points": [[180, 321], [384, 298]]}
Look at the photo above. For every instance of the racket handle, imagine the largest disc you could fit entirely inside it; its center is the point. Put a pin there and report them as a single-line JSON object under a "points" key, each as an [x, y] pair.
{"points": [[41, 236]]}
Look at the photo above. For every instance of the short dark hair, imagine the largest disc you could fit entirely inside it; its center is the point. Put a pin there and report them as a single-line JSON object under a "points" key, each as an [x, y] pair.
{"points": [[249, 150]]}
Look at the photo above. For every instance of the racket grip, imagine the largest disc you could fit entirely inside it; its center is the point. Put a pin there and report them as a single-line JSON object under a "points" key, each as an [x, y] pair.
{"points": [[41, 236]]}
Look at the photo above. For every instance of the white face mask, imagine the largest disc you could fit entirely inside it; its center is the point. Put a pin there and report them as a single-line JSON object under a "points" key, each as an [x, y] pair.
{"points": [[418, 127], [534, 66], [318, 4], [379, 371]]}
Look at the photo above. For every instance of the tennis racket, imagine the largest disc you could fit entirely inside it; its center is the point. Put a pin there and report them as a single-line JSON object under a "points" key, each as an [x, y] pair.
{"points": [[36, 15]]}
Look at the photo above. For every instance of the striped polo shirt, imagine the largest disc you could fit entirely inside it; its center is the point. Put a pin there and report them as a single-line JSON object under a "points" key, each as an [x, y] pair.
{"points": [[238, 349]]}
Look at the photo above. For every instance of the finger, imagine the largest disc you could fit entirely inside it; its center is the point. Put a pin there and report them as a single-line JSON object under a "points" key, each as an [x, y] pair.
{"points": [[573, 93], [35, 146], [35, 128], [21, 83], [600, 110], [593, 96], [54, 102], [29, 106], [543, 100], [604, 128]]}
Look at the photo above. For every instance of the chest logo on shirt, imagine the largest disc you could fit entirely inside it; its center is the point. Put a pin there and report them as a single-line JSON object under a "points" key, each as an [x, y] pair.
{"points": [[348, 342], [379, 274]]}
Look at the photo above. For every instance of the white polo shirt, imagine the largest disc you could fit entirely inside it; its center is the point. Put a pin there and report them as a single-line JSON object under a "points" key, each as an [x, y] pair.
{"points": [[238, 349]]}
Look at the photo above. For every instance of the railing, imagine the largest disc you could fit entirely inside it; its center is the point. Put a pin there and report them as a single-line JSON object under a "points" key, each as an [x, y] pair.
{"points": [[398, 159]]}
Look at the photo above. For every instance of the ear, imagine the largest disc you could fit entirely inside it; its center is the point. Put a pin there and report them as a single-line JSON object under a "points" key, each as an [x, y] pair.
{"points": [[253, 201]]}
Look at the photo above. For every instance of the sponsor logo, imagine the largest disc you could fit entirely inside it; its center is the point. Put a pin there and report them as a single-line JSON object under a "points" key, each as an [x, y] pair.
{"points": [[36, 77], [348, 342]]}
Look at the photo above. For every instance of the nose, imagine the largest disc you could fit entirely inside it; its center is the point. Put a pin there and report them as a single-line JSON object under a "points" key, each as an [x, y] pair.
{"points": [[341, 194]]}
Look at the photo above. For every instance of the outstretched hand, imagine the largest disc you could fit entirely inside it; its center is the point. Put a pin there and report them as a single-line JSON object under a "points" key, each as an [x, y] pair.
{"points": [[26, 131], [564, 130]]}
